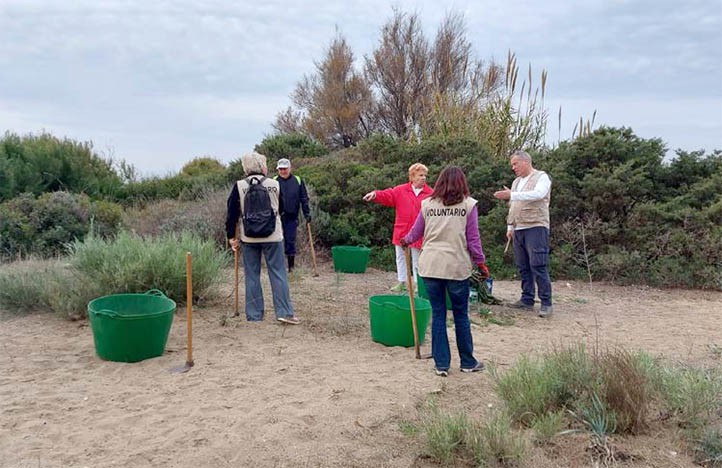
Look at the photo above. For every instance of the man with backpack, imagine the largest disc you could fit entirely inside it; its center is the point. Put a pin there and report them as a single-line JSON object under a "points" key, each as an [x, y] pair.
{"points": [[294, 197], [255, 202]]}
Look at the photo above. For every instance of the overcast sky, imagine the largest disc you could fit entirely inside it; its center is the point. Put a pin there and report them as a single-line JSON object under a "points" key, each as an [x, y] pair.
{"points": [[160, 82]]}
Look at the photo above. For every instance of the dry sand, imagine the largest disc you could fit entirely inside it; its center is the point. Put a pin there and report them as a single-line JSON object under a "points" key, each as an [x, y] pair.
{"points": [[320, 394]]}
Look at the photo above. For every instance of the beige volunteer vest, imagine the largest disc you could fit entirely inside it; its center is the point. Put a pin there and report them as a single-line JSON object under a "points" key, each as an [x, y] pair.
{"points": [[444, 253], [273, 190], [528, 214]]}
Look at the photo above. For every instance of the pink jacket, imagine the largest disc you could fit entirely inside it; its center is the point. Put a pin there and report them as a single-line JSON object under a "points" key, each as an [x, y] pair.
{"points": [[407, 206]]}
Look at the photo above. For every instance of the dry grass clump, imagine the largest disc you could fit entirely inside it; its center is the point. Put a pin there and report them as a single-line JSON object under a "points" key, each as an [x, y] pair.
{"points": [[626, 390]]}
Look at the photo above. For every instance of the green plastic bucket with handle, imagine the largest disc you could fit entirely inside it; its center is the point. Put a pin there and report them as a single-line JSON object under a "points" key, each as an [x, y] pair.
{"points": [[390, 317], [350, 259], [131, 327]]}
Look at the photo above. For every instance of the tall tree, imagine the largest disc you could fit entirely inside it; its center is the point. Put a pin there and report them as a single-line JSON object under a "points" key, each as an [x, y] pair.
{"points": [[333, 103], [461, 85], [398, 69]]}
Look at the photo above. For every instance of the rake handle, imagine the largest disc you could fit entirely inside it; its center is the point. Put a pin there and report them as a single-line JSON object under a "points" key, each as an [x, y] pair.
{"points": [[189, 308], [313, 249], [410, 288]]}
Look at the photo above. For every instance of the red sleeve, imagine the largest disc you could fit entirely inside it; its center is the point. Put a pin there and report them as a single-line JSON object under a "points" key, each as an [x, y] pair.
{"points": [[386, 197]]}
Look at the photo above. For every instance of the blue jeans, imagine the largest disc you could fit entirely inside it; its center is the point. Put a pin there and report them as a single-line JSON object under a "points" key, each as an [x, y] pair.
{"points": [[273, 253], [458, 291], [289, 225], [531, 255]]}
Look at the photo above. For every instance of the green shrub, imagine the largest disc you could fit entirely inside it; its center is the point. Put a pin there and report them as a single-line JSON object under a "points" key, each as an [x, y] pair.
{"points": [[98, 267], [43, 163], [693, 395], [534, 387], [59, 218], [44, 226], [289, 145], [499, 443], [612, 389], [708, 449], [132, 264], [449, 437], [174, 187], [444, 435], [68, 292], [16, 233], [203, 167], [527, 392], [546, 426], [53, 285], [107, 218], [611, 392], [22, 286]]}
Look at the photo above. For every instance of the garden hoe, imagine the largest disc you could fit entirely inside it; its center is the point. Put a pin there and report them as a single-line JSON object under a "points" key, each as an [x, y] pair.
{"points": [[410, 287], [189, 319], [313, 250]]}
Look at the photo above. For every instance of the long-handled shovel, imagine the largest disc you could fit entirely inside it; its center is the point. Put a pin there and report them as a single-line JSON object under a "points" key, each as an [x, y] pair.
{"points": [[189, 318], [313, 250], [410, 287]]}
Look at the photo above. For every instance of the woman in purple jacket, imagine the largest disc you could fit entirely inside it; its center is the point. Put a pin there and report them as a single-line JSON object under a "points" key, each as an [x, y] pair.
{"points": [[448, 222]]}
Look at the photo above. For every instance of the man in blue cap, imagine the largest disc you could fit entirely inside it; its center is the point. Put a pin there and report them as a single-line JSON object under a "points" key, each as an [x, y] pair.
{"points": [[295, 198]]}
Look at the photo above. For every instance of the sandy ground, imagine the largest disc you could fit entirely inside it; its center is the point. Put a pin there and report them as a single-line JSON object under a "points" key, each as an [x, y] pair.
{"points": [[320, 394]]}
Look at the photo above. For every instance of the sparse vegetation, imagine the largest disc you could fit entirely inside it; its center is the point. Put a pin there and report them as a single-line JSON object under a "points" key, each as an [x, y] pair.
{"points": [[97, 267], [569, 391], [454, 436]]}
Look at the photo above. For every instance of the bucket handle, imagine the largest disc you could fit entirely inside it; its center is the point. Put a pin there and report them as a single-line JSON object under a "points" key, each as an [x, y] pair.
{"points": [[155, 292], [108, 312]]}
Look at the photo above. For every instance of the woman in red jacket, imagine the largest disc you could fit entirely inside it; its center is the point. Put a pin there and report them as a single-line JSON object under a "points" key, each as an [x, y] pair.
{"points": [[406, 200]]}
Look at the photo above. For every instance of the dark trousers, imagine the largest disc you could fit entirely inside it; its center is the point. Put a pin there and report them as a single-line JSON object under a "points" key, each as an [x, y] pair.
{"points": [[290, 225], [531, 255]]}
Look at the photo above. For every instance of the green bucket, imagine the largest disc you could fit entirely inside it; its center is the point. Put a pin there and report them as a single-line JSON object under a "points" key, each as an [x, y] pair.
{"points": [[390, 317], [350, 259], [422, 293], [131, 327]]}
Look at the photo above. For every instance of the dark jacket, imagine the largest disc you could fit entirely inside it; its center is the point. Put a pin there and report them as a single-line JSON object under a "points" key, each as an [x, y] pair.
{"points": [[293, 196]]}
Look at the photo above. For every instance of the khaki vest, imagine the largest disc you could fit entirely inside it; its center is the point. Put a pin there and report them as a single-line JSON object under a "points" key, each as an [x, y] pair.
{"points": [[444, 253], [528, 214], [273, 190]]}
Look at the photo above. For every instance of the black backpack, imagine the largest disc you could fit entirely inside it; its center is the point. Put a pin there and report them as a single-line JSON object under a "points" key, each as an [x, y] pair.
{"points": [[259, 219]]}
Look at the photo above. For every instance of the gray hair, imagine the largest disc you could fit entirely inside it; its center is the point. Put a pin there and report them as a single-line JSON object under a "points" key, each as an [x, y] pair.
{"points": [[254, 163], [523, 155]]}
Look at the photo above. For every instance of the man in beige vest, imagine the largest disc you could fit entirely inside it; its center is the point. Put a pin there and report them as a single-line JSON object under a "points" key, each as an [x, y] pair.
{"points": [[528, 226]]}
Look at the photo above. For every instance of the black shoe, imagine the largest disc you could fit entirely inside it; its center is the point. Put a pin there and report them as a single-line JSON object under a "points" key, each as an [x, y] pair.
{"points": [[477, 368], [521, 305], [441, 372], [291, 262]]}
